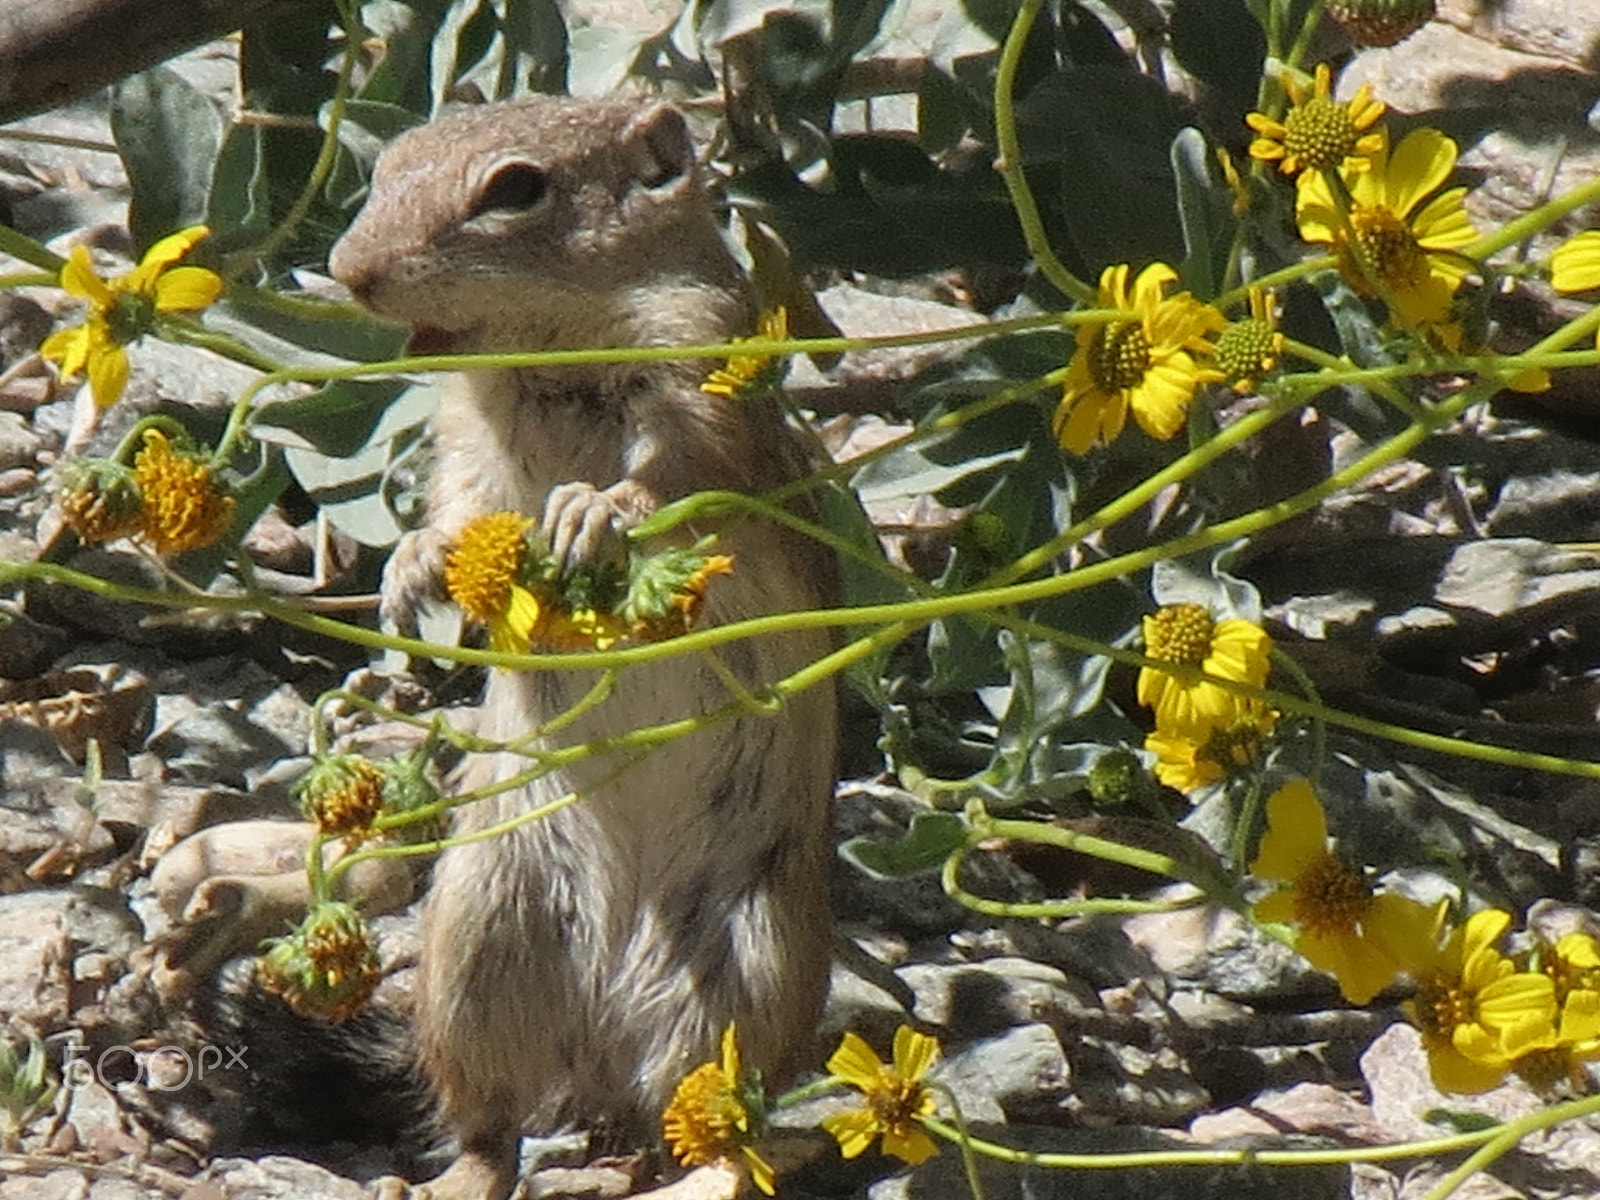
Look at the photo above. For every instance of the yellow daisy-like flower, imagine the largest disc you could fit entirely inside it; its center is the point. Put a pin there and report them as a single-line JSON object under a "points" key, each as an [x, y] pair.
{"points": [[1150, 362], [895, 1095], [182, 505], [710, 1117], [481, 575], [1575, 264], [1187, 635], [1477, 1013], [122, 310], [1398, 237], [1319, 133], [1251, 346], [1360, 938], [1187, 763], [744, 370]]}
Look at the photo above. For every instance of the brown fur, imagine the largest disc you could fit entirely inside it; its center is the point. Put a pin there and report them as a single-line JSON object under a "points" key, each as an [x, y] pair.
{"points": [[574, 969]]}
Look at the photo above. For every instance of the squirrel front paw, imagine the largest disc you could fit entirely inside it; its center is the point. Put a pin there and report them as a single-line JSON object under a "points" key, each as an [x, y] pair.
{"points": [[413, 578], [584, 525]]}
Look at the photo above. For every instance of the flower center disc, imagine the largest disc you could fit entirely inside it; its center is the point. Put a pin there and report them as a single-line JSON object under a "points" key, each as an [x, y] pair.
{"points": [[1388, 246], [1119, 355], [1320, 133]]}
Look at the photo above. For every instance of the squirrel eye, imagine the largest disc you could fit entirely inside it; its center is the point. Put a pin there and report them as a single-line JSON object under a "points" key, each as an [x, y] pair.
{"points": [[517, 186]]}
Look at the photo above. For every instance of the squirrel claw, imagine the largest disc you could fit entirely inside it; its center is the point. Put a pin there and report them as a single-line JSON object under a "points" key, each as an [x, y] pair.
{"points": [[582, 525]]}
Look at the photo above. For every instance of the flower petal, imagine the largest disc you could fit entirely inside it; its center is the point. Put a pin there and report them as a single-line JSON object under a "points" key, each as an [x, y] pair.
{"points": [[1420, 163], [1575, 265], [1297, 833], [853, 1129], [108, 373], [68, 349], [855, 1062], [187, 289], [162, 255], [78, 278], [910, 1145], [914, 1053]]}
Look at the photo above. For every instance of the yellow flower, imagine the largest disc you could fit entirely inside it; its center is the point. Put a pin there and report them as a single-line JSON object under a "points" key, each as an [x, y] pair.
{"points": [[1477, 1013], [122, 310], [1186, 763], [481, 575], [1409, 243], [895, 1096], [1250, 347], [710, 1117], [1149, 362], [743, 370], [1185, 634], [1319, 133], [182, 506], [1575, 264], [1361, 939]]}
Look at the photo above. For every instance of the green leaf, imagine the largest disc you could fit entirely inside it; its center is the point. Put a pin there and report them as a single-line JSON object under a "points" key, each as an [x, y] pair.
{"points": [[1105, 133], [932, 838], [168, 135], [1204, 210], [337, 421], [239, 209], [1218, 41]]}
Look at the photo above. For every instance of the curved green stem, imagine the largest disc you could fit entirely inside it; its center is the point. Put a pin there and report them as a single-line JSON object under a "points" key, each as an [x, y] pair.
{"points": [[1010, 162]]}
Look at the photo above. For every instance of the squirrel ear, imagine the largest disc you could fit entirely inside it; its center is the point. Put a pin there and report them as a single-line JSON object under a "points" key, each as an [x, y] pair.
{"points": [[663, 144]]}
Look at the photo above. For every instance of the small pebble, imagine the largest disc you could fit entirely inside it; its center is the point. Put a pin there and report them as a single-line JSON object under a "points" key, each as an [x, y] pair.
{"points": [[18, 481]]}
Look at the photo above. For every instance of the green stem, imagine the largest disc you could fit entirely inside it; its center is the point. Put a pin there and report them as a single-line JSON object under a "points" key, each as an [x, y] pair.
{"points": [[1243, 1156], [1319, 732], [19, 245], [323, 166], [1009, 163]]}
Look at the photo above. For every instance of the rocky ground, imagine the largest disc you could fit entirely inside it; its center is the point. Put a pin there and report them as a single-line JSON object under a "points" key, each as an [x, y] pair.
{"points": [[1466, 604]]}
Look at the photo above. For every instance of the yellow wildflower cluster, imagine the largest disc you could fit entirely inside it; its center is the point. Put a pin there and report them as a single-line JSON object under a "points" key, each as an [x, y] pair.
{"points": [[171, 499], [1203, 729], [499, 576], [1481, 1013], [124, 309], [1378, 209]]}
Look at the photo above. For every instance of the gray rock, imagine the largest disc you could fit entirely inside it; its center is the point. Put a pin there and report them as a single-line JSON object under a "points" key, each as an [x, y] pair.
{"points": [[27, 646], [275, 1177], [1022, 1071], [19, 444], [1502, 577]]}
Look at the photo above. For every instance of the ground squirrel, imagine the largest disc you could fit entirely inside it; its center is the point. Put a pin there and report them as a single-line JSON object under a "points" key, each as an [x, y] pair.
{"points": [[575, 969]]}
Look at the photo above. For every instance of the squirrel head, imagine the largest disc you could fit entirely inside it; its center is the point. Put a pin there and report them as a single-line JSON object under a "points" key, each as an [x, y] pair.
{"points": [[543, 223]]}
